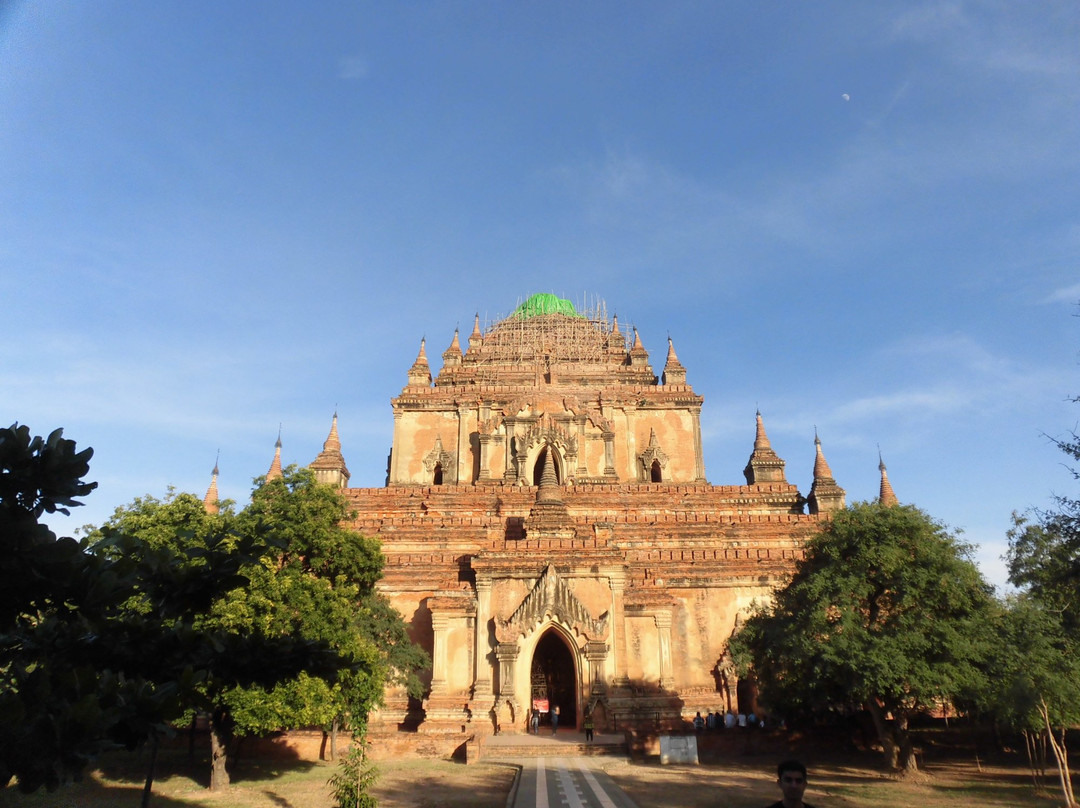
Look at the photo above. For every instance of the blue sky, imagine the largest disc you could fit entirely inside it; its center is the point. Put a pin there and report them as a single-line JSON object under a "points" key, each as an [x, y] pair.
{"points": [[216, 218]]}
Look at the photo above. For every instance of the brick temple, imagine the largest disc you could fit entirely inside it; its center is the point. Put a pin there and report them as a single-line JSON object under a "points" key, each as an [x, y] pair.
{"points": [[551, 537]]}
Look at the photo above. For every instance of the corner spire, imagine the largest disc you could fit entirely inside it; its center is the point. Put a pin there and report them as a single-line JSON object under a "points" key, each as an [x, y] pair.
{"points": [[825, 494], [886, 496], [210, 501], [329, 466], [420, 372], [764, 465], [674, 372], [452, 355], [275, 473], [476, 338], [821, 465], [639, 357]]}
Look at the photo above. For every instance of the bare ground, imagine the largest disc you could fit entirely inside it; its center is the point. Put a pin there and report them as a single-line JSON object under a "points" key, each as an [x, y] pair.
{"points": [[746, 781]]}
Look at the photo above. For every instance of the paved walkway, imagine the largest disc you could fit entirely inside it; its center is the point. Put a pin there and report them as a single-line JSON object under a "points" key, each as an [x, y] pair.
{"points": [[577, 782], [559, 779]]}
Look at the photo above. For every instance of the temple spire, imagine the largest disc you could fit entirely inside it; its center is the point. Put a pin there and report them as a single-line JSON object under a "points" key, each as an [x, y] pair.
{"points": [[825, 494], [475, 338], [452, 355], [210, 501], [639, 357], [549, 517], [674, 372], [329, 466], [886, 496], [764, 465], [420, 372], [549, 482], [821, 465], [275, 473]]}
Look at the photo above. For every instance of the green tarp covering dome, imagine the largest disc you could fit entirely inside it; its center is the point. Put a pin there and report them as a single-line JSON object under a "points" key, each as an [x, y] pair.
{"points": [[545, 303]]}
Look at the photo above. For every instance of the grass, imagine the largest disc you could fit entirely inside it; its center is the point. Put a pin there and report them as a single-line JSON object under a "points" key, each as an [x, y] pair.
{"points": [[738, 781]]}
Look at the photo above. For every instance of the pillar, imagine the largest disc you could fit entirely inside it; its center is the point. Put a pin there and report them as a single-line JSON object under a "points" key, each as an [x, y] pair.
{"points": [[485, 447], [663, 630], [617, 579], [482, 668], [699, 456], [395, 449], [609, 454], [439, 625]]}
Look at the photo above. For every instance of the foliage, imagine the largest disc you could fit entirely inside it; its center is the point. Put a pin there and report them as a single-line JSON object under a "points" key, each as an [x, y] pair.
{"points": [[356, 775], [1044, 562], [886, 612], [312, 581], [103, 644]]}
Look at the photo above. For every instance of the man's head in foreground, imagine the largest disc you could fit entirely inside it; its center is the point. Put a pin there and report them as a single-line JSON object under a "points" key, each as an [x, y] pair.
{"points": [[791, 775]]}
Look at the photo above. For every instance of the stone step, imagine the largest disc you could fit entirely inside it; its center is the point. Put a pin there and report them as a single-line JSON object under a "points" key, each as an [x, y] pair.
{"points": [[530, 746]]}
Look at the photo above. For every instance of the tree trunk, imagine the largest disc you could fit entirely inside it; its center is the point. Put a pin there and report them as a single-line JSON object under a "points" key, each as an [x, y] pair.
{"points": [[333, 738], [885, 735], [322, 745], [908, 762], [220, 734], [1061, 756], [145, 803]]}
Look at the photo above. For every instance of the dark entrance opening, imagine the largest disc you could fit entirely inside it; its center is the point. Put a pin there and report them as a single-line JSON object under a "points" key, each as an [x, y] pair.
{"points": [[538, 467], [655, 473], [438, 474], [554, 679]]}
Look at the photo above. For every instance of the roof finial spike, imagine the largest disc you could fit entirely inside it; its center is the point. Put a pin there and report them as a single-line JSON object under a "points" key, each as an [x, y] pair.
{"points": [[821, 465], [761, 440], [274, 472], [886, 495], [210, 501]]}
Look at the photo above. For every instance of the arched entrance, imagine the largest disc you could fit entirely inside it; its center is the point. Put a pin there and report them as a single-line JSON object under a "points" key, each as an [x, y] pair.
{"points": [[554, 679], [538, 466], [656, 474]]}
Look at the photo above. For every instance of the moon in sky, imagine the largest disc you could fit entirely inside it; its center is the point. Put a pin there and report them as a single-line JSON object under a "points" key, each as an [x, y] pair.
{"points": [[846, 97]]}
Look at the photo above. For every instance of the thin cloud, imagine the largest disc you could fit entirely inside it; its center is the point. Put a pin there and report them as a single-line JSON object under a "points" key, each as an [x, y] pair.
{"points": [[1069, 294], [352, 68]]}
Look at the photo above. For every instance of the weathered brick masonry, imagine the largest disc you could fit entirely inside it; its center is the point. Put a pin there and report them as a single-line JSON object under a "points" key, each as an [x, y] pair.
{"points": [[551, 538]]}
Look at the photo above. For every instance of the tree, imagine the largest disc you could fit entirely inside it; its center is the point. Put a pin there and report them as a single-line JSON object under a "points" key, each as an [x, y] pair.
{"points": [[99, 646], [313, 581], [1044, 562], [886, 612], [1033, 683]]}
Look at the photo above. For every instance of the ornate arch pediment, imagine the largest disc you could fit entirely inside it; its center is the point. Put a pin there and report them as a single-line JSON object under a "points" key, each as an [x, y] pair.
{"points": [[438, 455], [653, 453], [550, 596], [548, 431]]}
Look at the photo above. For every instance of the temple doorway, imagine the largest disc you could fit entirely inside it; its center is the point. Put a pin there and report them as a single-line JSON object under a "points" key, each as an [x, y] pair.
{"points": [[554, 680]]}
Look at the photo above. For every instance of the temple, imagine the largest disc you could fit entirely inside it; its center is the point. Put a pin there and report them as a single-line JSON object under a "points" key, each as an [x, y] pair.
{"points": [[551, 537]]}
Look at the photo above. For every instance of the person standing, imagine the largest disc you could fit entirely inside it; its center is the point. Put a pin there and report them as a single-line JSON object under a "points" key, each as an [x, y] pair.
{"points": [[791, 777], [588, 724], [534, 721], [555, 720]]}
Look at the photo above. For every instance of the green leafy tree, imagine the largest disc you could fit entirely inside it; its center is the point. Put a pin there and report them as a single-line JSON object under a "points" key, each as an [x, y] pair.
{"points": [[886, 612], [1044, 562], [328, 573], [97, 649], [1033, 683], [313, 582]]}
